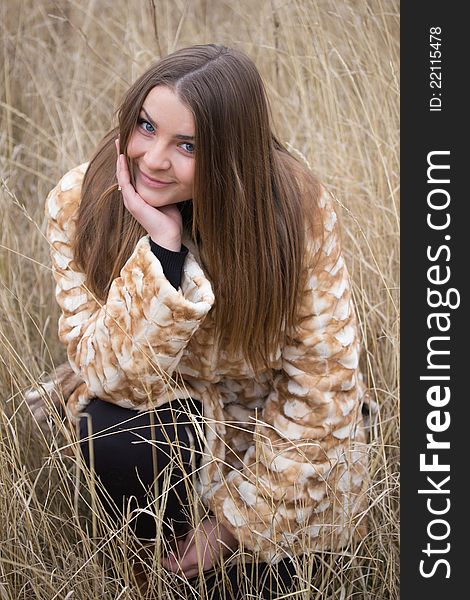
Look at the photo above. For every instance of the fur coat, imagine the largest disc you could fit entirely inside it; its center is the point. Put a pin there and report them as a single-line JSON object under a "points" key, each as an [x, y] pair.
{"points": [[285, 464]]}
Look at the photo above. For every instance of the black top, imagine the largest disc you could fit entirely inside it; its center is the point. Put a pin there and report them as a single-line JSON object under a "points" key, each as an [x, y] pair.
{"points": [[172, 262]]}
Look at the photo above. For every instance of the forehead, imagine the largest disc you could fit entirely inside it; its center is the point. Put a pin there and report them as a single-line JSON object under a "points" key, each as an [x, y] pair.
{"points": [[167, 110]]}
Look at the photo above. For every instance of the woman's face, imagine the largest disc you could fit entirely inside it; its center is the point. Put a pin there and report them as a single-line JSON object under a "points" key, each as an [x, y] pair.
{"points": [[162, 149]]}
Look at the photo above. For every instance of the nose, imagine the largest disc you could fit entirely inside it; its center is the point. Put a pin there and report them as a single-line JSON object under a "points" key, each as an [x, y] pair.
{"points": [[157, 156]]}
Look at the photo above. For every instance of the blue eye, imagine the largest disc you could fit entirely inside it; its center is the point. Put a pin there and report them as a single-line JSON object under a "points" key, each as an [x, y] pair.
{"points": [[145, 125], [188, 147]]}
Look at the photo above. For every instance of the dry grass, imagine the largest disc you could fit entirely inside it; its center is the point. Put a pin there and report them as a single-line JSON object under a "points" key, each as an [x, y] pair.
{"points": [[331, 68]]}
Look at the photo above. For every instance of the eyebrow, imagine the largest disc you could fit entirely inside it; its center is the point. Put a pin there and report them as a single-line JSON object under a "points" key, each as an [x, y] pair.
{"points": [[178, 136]]}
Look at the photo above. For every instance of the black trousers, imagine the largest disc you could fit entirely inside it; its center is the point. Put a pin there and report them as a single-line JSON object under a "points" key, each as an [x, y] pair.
{"points": [[135, 455]]}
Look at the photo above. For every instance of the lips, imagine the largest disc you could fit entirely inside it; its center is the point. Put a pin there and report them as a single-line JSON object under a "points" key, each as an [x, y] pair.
{"points": [[155, 183]]}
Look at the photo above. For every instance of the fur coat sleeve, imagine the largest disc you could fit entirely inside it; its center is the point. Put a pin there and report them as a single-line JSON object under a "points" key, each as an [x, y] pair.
{"points": [[127, 348]]}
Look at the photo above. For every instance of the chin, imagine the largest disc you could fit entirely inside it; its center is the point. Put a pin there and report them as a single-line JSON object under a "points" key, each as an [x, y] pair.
{"points": [[154, 199]]}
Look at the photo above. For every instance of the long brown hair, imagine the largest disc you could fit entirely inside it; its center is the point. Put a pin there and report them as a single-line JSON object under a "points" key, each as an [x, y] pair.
{"points": [[252, 207]]}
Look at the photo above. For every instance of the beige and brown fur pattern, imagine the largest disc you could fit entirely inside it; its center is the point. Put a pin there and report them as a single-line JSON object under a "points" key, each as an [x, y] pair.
{"points": [[285, 464], [53, 392]]}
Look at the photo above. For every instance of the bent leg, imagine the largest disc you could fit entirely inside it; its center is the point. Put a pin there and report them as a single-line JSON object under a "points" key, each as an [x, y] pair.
{"points": [[133, 453]]}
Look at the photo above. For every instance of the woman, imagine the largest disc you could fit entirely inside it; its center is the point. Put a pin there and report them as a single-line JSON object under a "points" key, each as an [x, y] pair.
{"points": [[207, 313]]}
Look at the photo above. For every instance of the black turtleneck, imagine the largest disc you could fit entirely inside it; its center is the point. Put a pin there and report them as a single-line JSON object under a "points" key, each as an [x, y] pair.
{"points": [[172, 262]]}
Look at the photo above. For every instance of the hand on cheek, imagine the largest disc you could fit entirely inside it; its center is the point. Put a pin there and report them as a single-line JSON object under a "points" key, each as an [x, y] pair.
{"points": [[163, 224]]}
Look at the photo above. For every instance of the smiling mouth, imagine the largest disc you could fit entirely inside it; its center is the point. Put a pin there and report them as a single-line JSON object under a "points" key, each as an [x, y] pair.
{"points": [[153, 182]]}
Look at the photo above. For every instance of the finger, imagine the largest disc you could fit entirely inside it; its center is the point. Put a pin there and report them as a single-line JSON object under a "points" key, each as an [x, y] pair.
{"points": [[171, 563], [190, 560], [183, 545], [117, 162], [129, 194], [191, 573], [172, 556], [124, 177], [187, 562]]}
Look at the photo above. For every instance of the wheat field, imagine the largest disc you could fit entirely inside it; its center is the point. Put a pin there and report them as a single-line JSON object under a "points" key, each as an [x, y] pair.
{"points": [[331, 69]]}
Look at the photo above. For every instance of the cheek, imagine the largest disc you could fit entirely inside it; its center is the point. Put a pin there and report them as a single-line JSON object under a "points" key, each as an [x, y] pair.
{"points": [[132, 147], [189, 173]]}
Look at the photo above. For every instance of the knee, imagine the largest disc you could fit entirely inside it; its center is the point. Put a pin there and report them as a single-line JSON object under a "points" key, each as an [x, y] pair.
{"points": [[114, 437]]}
